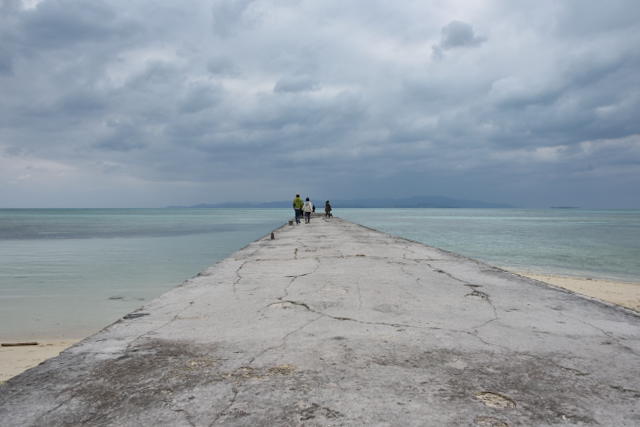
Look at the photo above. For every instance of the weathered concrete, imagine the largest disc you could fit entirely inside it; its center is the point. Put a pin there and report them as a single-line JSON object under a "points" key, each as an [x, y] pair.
{"points": [[335, 324]]}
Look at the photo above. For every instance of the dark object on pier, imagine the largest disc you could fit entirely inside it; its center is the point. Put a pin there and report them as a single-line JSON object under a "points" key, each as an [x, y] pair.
{"points": [[135, 315], [17, 344]]}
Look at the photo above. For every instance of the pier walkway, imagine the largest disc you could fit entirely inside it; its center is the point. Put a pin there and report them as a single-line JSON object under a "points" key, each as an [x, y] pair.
{"points": [[332, 323]]}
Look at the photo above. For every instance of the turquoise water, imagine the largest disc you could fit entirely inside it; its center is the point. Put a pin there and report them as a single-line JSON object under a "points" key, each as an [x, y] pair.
{"points": [[70, 272], [573, 242]]}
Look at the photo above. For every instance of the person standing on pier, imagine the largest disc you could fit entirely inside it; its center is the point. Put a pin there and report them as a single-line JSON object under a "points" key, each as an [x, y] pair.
{"points": [[297, 207], [327, 210], [307, 208]]}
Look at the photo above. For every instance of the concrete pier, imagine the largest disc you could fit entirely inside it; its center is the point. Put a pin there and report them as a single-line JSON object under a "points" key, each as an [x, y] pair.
{"points": [[335, 324]]}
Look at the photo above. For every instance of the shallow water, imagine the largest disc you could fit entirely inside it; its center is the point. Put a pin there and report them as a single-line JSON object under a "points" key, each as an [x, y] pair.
{"points": [[573, 242], [70, 272]]}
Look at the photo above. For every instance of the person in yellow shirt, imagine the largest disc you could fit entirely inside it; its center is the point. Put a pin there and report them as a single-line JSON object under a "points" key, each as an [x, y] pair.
{"points": [[297, 207]]}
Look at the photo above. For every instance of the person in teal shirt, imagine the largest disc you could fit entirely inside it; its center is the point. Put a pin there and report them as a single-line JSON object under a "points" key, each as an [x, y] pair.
{"points": [[297, 207]]}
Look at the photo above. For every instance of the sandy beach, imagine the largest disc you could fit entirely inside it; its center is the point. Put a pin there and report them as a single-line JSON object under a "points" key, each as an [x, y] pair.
{"points": [[15, 360], [621, 293]]}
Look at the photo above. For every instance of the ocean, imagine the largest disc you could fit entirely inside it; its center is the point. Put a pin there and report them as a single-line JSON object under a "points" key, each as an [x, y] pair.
{"points": [[67, 273]]}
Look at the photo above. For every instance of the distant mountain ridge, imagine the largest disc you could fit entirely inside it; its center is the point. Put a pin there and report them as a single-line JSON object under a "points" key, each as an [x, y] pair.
{"points": [[410, 202]]}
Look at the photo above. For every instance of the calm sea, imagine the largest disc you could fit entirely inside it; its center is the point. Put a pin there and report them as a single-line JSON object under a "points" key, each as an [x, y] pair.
{"points": [[70, 272]]}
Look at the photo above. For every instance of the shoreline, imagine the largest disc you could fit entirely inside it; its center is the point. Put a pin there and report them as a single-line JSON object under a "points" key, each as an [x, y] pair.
{"points": [[15, 360], [625, 294]]}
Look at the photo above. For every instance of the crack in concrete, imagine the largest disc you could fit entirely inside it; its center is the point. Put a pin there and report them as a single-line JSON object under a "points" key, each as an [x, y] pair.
{"points": [[635, 393], [342, 256], [235, 294], [186, 415], [437, 270], [349, 319], [233, 402], [73, 393], [406, 248], [549, 360], [482, 295], [475, 335], [409, 274], [126, 350], [54, 409], [284, 339], [578, 372], [286, 289], [617, 340], [542, 359]]}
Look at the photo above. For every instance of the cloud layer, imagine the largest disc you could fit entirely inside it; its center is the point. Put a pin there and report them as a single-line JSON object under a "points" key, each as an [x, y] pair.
{"points": [[117, 103]]}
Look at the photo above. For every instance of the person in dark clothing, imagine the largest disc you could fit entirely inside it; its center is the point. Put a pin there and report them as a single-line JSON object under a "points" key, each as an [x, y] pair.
{"points": [[327, 210]]}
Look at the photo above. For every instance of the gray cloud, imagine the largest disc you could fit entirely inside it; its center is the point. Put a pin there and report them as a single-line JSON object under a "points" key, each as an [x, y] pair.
{"points": [[457, 34], [6, 62], [227, 14], [199, 97], [223, 67], [58, 23], [199, 102], [15, 151], [122, 136], [295, 84]]}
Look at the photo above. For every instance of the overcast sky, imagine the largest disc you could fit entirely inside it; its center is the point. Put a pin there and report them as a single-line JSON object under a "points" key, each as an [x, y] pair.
{"points": [[137, 103]]}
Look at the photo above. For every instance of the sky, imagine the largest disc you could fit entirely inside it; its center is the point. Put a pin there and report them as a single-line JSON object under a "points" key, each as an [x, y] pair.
{"points": [[139, 103]]}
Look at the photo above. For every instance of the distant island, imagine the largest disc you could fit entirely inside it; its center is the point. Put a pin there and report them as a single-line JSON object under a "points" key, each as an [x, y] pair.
{"points": [[411, 202]]}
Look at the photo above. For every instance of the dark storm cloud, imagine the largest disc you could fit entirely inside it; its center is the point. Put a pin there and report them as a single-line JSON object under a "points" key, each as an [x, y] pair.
{"points": [[202, 102]]}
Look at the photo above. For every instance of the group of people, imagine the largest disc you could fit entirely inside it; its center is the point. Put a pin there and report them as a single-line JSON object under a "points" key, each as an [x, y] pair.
{"points": [[305, 208]]}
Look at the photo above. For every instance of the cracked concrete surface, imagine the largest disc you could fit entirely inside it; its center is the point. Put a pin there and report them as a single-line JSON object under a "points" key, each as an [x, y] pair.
{"points": [[336, 324]]}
